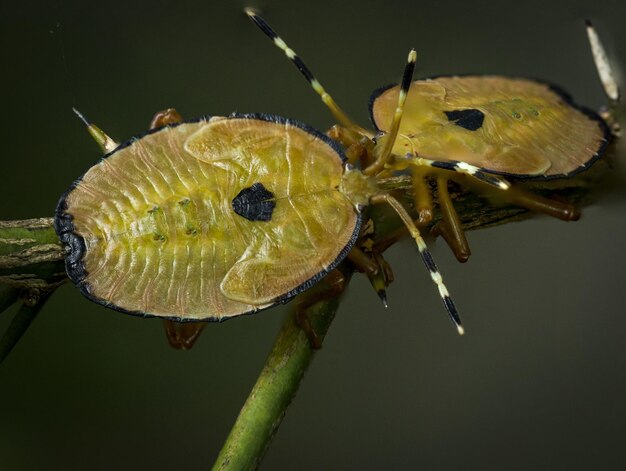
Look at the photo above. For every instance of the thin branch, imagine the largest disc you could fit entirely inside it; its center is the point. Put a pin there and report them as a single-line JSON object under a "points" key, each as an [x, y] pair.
{"points": [[23, 319], [8, 296], [31, 254], [31, 268]]}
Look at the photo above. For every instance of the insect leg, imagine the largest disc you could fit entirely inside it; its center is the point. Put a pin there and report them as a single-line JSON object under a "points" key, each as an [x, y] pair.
{"points": [[385, 275], [375, 267], [423, 207], [517, 196], [425, 254], [102, 139], [450, 227], [358, 147], [165, 117], [356, 153], [182, 336], [383, 278], [331, 286], [390, 138], [423, 196], [328, 100], [540, 204]]}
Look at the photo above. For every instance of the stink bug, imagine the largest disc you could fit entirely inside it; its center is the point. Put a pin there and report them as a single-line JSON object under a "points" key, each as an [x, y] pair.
{"points": [[491, 129]]}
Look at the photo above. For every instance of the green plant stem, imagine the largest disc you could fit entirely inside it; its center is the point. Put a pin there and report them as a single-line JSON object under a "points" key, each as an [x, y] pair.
{"points": [[31, 268], [23, 319], [31, 254], [276, 387], [8, 296]]}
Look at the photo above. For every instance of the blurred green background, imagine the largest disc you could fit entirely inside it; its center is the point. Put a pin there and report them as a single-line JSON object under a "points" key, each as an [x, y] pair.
{"points": [[537, 383]]}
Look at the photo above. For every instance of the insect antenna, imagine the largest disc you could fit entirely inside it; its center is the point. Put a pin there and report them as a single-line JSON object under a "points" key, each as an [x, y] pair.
{"points": [[102, 139], [605, 72], [425, 254], [379, 164], [328, 100], [461, 167]]}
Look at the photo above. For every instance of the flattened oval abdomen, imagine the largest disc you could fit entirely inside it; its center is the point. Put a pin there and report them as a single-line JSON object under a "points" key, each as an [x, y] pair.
{"points": [[167, 232], [506, 125]]}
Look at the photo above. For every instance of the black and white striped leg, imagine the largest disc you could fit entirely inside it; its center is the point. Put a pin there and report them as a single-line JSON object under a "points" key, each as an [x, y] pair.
{"points": [[102, 139], [328, 100], [390, 138], [425, 254]]}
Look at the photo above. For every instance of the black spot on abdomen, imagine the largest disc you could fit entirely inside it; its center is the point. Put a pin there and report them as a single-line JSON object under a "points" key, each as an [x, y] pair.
{"points": [[254, 203], [471, 119]]}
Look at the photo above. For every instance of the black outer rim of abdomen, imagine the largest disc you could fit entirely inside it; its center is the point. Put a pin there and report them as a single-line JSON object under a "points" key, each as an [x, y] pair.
{"points": [[559, 91], [64, 226]]}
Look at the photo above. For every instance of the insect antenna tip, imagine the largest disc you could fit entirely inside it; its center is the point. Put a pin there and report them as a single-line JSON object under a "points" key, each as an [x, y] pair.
{"points": [[460, 329], [383, 297], [250, 11], [81, 117]]}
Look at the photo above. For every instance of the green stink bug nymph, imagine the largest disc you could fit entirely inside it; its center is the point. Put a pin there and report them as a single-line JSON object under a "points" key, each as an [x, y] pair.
{"points": [[208, 219]]}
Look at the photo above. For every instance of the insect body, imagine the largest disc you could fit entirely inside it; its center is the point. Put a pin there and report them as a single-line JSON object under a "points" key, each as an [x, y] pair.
{"points": [[210, 219], [508, 126]]}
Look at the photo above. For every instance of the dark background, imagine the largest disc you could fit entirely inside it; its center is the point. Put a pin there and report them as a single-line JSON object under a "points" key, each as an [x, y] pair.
{"points": [[539, 379]]}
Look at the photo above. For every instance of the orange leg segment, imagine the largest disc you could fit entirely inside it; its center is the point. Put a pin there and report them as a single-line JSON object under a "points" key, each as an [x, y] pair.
{"points": [[182, 336], [540, 204], [358, 147], [423, 198], [165, 117], [450, 227]]}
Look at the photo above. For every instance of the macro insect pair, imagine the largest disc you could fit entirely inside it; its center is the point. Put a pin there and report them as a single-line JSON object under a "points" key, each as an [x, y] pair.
{"points": [[209, 219]]}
